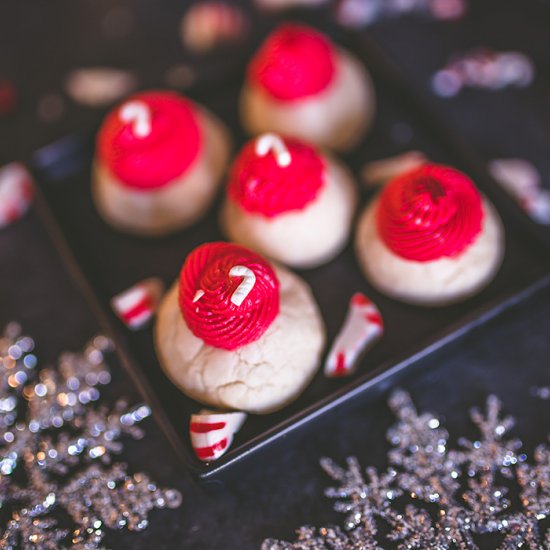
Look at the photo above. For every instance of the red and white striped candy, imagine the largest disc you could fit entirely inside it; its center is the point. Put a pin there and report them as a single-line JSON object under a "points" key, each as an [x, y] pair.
{"points": [[537, 206], [210, 24], [517, 176], [523, 181], [137, 305], [447, 9], [362, 328], [212, 433], [484, 68], [99, 86], [16, 192]]}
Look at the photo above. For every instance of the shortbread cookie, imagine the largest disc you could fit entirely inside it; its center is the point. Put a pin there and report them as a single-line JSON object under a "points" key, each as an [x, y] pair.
{"points": [[158, 164], [430, 238], [238, 333]]}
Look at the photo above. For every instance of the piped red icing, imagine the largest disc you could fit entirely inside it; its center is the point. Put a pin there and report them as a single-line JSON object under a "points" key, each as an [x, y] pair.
{"points": [[260, 185], [429, 212], [145, 160], [206, 289], [294, 62]]}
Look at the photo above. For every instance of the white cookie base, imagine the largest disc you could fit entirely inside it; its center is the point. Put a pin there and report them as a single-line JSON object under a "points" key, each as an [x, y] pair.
{"points": [[262, 376], [301, 238], [171, 207], [437, 282], [335, 118]]}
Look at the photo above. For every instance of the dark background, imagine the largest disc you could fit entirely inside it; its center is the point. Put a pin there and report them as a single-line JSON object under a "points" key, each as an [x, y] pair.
{"points": [[40, 42]]}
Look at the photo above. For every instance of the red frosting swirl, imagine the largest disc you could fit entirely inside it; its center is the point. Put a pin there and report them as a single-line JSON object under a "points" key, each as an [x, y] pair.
{"points": [[294, 62], [213, 317], [151, 161], [259, 184], [429, 212]]}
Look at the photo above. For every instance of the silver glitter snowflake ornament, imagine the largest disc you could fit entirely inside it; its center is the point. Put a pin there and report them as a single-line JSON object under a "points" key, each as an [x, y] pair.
{"points": [[434, 497], [56, 447]]}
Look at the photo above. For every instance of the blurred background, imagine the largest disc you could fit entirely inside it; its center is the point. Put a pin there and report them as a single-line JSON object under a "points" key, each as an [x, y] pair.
{"points": [[477, 71]]}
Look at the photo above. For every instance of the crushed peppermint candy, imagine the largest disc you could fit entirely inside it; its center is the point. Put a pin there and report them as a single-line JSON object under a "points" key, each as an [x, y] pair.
{"points": [[361, 13], [16, 193], [362, 328], [136, 306], [209, 25], [483, 68], [99, 86], [521, 179], [212, 432]]}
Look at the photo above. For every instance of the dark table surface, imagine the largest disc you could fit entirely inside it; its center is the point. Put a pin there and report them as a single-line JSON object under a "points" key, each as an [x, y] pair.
{"points": [[40, 42]]}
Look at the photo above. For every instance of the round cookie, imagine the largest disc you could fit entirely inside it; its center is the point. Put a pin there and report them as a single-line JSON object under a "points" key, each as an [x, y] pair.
{"points": [[289, 202], [429, 238], [158, 164], [257, 356], [301, 85]]}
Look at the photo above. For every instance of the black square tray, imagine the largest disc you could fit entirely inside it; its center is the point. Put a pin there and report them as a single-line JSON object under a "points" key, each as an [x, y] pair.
{"points": [[111, 261]]}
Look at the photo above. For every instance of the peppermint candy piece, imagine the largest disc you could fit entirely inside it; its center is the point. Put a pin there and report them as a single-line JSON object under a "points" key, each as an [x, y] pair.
{"points": [[136, 306], [523, 182], [484, 68], [379, 172], [16, 192], [99, 86], [362, 328], [517, 176], [446, 10], [209, 25], [537, 206], [212, 433]]}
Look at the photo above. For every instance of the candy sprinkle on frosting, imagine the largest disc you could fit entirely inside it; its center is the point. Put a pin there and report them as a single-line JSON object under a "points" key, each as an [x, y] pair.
{"points": [[429, 213], [228, 295]]}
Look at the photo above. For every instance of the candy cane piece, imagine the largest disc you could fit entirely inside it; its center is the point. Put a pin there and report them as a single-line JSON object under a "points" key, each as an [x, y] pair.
{"points": [[517, 176], [198, 295], [243, 290], [272, 142], [16, 192], [209, 25], [483, 68], [537, 206], [523, 182], [362, 328], [139, 115], [136, 306], [212, 433], [99, 86]]}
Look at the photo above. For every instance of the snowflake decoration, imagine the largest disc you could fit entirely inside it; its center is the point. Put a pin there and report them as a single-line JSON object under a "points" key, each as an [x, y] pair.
{"points": [[434, 497], [58, 484]]}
